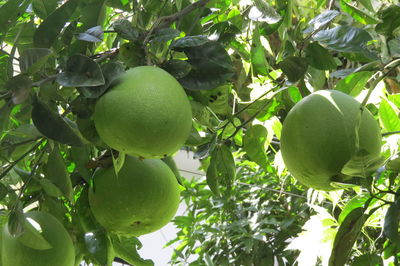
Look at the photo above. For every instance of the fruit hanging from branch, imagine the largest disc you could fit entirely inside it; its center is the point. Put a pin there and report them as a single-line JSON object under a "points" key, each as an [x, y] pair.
{"points": [[326, 132]]}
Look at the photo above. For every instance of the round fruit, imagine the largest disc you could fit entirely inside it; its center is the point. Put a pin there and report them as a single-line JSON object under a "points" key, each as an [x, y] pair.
{"points": [[141, 199], [146, 113], [15, 253], [319, 137]]}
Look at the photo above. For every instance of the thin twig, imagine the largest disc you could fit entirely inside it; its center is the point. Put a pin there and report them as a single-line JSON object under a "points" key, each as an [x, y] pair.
{"points": [[390, 133]]}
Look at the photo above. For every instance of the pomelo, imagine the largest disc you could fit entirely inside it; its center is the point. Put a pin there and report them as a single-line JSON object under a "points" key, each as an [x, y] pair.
{"points": [[146, 113], [319, 137], [141, 199], [62, 253]]}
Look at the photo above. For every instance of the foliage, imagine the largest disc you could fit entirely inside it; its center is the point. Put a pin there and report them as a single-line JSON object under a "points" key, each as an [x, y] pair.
{"points": [[244, 65]]}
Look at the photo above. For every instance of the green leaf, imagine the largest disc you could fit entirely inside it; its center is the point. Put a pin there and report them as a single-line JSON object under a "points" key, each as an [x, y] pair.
{"points": [[52, 125], [5, 112], [211, 67], [9, 14], [354, 83], [346, 236], [81, 156], [3, 191], [43, 8], [388, 116], [94, 34], [32, 236], [367, 4], [16, 221], [110, 71], [212, 177], [126, 249], [257, 54], [172, 165], [33, 59], [355, 202], [48, 31], [164, 35], [314, 79], [56, 171], [177, 68], [189, 42], [125, 30], [345, 39], [362, 164], [321, 20], [50, 188], [254, 143], [368, 260], [81, 71], [118, 162], [98, 245], [264, 12], [390, 17], [319, 58], [358, 14], [294, 67], [20, 86], [391, 224]]}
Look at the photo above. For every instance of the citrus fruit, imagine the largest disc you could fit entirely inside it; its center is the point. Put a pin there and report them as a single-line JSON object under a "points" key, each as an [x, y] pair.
{"points": [[146, 113], [141, 199], [61, 253], [319, 136]]}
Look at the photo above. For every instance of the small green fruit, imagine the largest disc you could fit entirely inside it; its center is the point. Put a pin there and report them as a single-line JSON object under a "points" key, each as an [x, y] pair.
{"points": [[62, 253], [319, 137], [145, 114], [141, 199]]}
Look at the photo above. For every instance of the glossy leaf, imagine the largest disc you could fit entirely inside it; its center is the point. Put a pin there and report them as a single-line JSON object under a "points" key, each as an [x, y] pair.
{"points": [[98, 244], [367, 260], [321, 20], [264, 12], [257, 53], [33, 238], [357, 13], [9, 13], [94, 34], [390, 17], [126, 249], [20, 86], [81, 71], [52, 125], [48, 31], [391, 224], [125, 30]]}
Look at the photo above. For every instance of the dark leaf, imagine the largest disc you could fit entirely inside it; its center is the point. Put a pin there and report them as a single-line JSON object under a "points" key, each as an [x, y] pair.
{"points": [[222, 170], [355, 202], [110, 71], [390, 17], [319, 58], [56, 171], [188, 42], [43, 8], [126, 249], [94, 34], [3, 191], [125, 30], [164, 35], [16, 221], [99, 246], [81, 156], [368, 260], [177, 68], [53, 126], [81, 71], [32, 59], [391, 224], [354, 83], [294, 67], [10, 12], [346, 236], [321, 20], [48, 31], [50, 188], [20, 86], [344, 39]]}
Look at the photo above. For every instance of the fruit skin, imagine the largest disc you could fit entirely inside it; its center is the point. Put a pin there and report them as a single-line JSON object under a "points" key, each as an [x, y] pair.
{"points": [[319, 137], [14, 253], [146, 113], [141, 199]]}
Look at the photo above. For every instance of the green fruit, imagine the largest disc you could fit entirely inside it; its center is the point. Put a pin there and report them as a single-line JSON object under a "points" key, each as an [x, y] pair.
{"points": [[319, 137], [15, 253], [141, 199], [146, 114]]}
